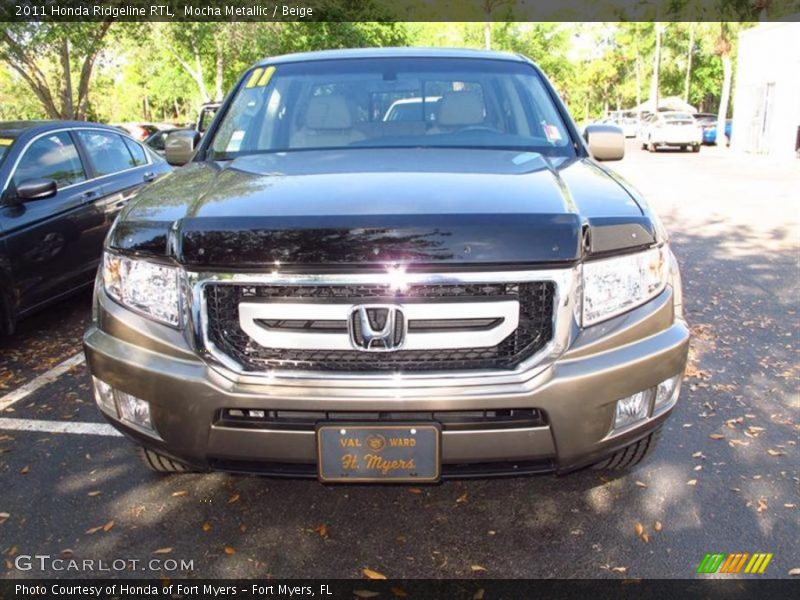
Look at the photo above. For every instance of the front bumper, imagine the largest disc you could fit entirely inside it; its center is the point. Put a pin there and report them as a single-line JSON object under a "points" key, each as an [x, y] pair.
{"points": [[576, 392]]}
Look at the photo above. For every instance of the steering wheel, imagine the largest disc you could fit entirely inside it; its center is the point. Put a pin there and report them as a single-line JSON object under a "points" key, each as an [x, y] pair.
{"points": [[479, 128]]}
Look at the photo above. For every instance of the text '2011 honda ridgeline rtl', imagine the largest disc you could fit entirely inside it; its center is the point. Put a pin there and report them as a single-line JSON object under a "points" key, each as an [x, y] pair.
{"points": [[389, 265]]}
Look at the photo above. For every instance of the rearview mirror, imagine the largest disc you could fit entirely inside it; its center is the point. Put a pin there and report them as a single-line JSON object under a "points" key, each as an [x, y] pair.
{"points": [[180, 146], [36, 189], [606, 142]]}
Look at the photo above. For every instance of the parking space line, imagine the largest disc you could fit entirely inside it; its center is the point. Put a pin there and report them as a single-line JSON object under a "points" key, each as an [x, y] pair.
{"points": [[58, 427], [43, 379]]}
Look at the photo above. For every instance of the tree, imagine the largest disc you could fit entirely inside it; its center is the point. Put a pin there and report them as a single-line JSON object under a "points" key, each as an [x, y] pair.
{"points": [[723, 48], [47, 55]]}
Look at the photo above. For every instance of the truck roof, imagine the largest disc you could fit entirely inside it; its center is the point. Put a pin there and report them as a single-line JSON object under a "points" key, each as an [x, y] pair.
{"points": [[391, 53]]}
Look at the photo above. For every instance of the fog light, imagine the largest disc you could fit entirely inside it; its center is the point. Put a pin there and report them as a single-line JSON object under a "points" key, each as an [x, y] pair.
{"points": [[667, 391], [104, 396], [632, 409], [134, 410]]}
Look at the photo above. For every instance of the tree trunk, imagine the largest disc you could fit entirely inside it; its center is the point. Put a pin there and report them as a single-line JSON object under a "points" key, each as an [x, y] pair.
{"points": [[638, 81], [487, 32], [689, 54], [220, 70], [654, 83], [67, 109], [727, 71]]}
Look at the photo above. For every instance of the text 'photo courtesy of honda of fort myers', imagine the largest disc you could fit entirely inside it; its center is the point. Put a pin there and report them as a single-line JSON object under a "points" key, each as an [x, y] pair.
{"points": [[389, 265]]}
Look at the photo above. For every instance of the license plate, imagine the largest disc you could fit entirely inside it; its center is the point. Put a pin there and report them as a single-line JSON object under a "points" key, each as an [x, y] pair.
{"points": [[378, 453]]}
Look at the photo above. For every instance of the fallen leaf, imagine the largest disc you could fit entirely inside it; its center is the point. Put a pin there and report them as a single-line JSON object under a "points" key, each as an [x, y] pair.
{"points": [[163, 551], [657, 526], [94, 493], [322, 530], [229, 550], [414, 491], [24, 470], [180, 493], [4, 515], [206, 526], [698, 468], [698, 455], [108, 526], [645, 538], [65, 553], [477, 568], [717, 436], [790, 505], [762, 505], [639, 529], [399, 592], [773, 452], [365, 594], [234, 498], [370, 574], [619, 569], [794, 572], [94, 529], [692, 482], [479, 594], [641, 484], [461, 499]]}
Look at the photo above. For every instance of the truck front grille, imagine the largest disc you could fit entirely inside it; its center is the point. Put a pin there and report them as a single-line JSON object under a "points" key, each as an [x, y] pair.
{"points": [[534, 331]]}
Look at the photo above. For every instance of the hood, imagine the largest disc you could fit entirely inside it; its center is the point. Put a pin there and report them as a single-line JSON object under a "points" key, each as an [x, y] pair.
{"points": [[377, 206]]}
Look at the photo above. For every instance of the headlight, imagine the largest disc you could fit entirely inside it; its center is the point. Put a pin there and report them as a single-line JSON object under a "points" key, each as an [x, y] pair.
{"points": [[146, 287], [613, 285]]}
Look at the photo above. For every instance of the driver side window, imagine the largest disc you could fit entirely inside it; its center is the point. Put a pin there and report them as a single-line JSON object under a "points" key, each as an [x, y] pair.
{"points": [[52, 156]]}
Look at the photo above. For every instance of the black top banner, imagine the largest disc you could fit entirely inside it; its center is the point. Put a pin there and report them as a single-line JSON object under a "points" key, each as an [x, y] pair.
{"points": [[398, 10]]}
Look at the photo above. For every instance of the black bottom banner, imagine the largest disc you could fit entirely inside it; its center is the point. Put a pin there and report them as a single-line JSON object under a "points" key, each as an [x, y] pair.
{"points": [[427, 589]]}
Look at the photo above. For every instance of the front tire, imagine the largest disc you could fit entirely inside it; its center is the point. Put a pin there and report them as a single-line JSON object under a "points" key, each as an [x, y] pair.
{"points": [[651, 147], [630, 456], [696, 148], [159, 463]]}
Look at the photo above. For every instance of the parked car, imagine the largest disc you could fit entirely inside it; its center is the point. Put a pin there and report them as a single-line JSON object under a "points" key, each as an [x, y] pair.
{"points": [[320, 292], [61, 186], [670, 128], [629, 125], [710, 131], [158, 141], [411, 109], [138, 131]]}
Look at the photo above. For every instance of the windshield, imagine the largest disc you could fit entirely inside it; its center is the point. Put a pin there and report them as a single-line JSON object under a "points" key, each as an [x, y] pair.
{"points": [[389, 103], [5, 144]]}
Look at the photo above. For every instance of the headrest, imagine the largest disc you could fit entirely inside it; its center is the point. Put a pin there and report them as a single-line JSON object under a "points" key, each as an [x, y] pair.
{"points": [[460, 109], [328, 112]]}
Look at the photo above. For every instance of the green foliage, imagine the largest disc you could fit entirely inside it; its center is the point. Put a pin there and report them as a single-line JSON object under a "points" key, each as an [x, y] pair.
{"points": [[163, 71]]}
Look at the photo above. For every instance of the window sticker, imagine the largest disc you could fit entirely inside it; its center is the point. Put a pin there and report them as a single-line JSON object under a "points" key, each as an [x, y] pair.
{"points": [[6, 141], [254, 78], [552, 133], [268, 72]]}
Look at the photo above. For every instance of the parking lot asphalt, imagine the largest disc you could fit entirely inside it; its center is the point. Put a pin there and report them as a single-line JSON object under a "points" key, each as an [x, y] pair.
{"points": [[725, 477]]}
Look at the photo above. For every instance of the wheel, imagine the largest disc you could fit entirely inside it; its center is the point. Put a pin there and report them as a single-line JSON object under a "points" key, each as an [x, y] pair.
{"points": [[630, 456], [160, 463], [696, 148], [7, 321], [683, 148], [651, 147]]}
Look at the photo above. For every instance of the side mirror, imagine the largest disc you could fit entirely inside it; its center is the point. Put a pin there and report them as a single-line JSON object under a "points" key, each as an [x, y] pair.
{"points": [[180, 146], [36, 189], [606, 142]]}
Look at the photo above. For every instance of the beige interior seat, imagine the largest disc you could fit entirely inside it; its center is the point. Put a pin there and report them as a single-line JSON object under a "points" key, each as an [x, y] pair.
{"points": [[458, 110], [328, 122]]}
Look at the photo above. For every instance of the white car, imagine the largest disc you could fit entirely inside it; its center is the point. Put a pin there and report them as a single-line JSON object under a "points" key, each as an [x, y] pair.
{"points": [[670, 128]]}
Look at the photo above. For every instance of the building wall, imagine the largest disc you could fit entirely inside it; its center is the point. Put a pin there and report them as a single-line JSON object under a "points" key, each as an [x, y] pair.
{"points": [[767, 95]]}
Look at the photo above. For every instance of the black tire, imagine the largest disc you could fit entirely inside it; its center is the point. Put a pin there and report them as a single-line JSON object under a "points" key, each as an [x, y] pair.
{"points": [[651, 147], [683, 148], [696, 148], [630, 456], [160, 463]]}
